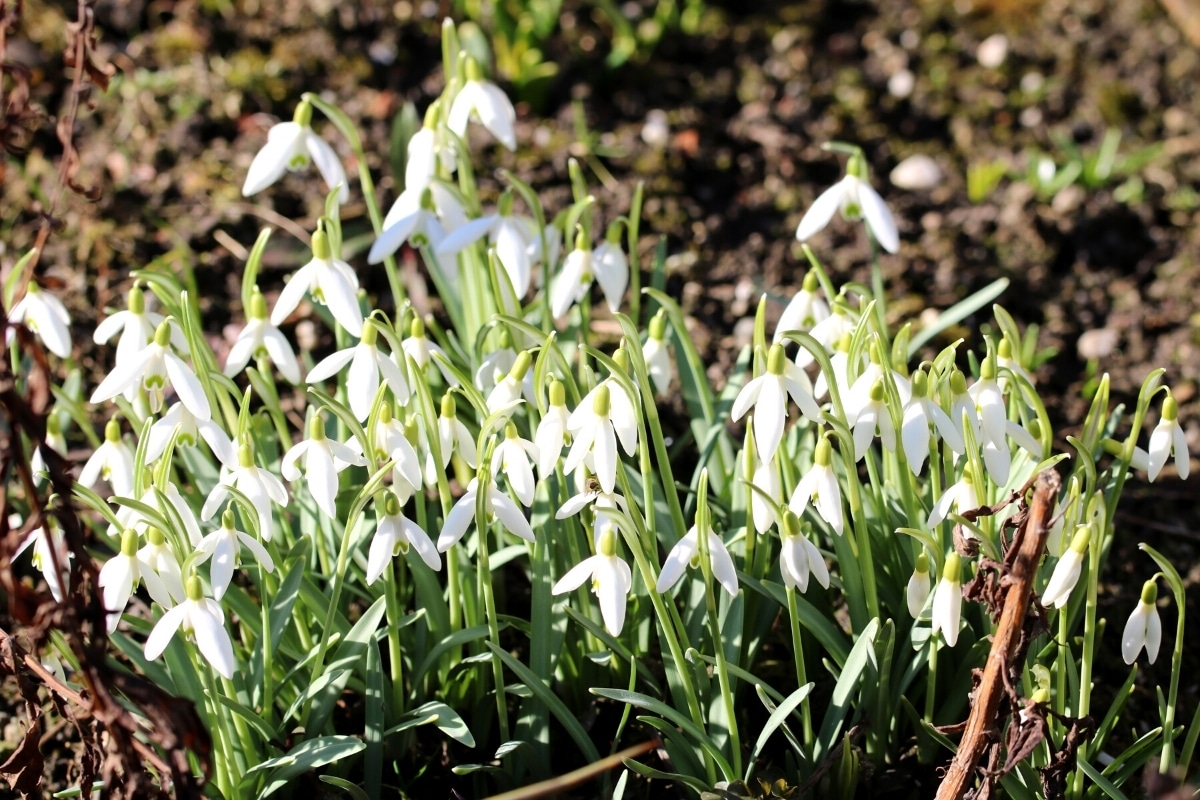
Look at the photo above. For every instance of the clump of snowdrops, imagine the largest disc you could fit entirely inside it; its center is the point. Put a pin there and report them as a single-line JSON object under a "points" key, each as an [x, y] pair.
{"points": [[477, 522]]}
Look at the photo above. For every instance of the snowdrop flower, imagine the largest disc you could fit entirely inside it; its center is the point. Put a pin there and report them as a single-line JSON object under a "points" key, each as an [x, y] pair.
{"points": [[603, 417], [804, 310], [495, 502], [611, 577], [136, 325], [395, 534], [112, 461], [839, 362], [323, 459], [152, 368], [224, 547], [506, 394], [961, 496], [190, 432], [551, 432], [1143, 628], [392, 440], [860, 391], [764, 476], [45, 315], [1168, 436], [767, 395], [962, 406], [591, 495], [259, 485], [828, 332], [873, 417], [49, 550], [366, 366], [416, 217], [799, 559], [261, 338], [606, 265], [159, 569], [418, 347], [119, 577], [918, 587], [290, 147], [1066, 571], [511, 234], [855, 198], [989, 403], [920, 415], [1006, 365], [331, 282], [947, 600], [453, 437], [201, 619], [656, 355], [54, 441], [687, 552], [514, 457], [485, 102], [820, 487]]}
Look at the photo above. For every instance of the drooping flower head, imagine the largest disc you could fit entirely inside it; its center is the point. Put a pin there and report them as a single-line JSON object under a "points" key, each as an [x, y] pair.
{"points": [[45, 315], [855, 198], [947, 600], [331, 282], [1143, 628], [291, 146]]}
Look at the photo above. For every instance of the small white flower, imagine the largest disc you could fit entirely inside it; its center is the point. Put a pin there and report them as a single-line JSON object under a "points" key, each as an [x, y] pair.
{"points": [[551, 432], [45, 315], [611, 577], [600, 500], [861, 390], [202, 620], [506, 394], [765, 478], [136, 325], [49, 550], [515, 457], [153, 367], [323, 459], [828, 332], [1144, 628], [421, 217], [804, 310], [394, 534], [224, 547], [463, 514], [656, 354], [331, 281], [260, 337], [920, 415], [191, 430], [989, 403], [367, 364], [947, 600], [485, 102], [961, 496], [112, 461], [422, 351], [259, 485], [799, 559], [290, 147], [1067, 570], [604, 416], [687, 551], [159, 569], [873, 417], [1168, 436], [453, 437], [918, 587], [511, 234], [120, 575], [855, 198], [606, 265], [767, 395], [820, 486]]}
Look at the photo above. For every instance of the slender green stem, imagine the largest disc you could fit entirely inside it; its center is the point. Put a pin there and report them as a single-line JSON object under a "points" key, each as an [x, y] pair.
{"points": [[393, 592], [714, 630], [489, 605], [801, 670]]}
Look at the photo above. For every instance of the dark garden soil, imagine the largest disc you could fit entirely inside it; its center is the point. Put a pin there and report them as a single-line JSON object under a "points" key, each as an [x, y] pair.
{"points": [[725, 126]]}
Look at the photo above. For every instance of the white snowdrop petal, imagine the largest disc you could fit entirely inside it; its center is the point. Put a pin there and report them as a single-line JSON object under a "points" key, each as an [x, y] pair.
{"points": [[879, 218], [575, 576], [328, 164], [188, 387], [160, 636], [821, 211]]}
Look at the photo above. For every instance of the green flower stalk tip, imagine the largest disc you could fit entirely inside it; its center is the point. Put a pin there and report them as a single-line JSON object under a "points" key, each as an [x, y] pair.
{"points": [[601, 401], [558, 394], [155, 537], [303, 114], [320, 246], [137, 301], [391, 504], [129, 543], [316, 428], [958, 382], [370, 334], [162, 334], [258, 305], [416, 328], [521, 366], [112, 431], [776, 359], [811, 283], [449, 407], [953, 569], [621, 357], [1149, 594], [227, 520], [658, 326], [823, 455], [245, 456]]}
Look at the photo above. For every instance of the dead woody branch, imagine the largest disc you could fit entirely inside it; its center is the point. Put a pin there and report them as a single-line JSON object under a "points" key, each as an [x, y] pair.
{"points": [[1009, 643]]}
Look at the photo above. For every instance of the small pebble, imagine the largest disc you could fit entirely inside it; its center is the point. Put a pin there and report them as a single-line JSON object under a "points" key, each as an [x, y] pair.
{"points": [[655, 130], [1096, 343], [917, 173], [992, 51], [901, 84]]}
